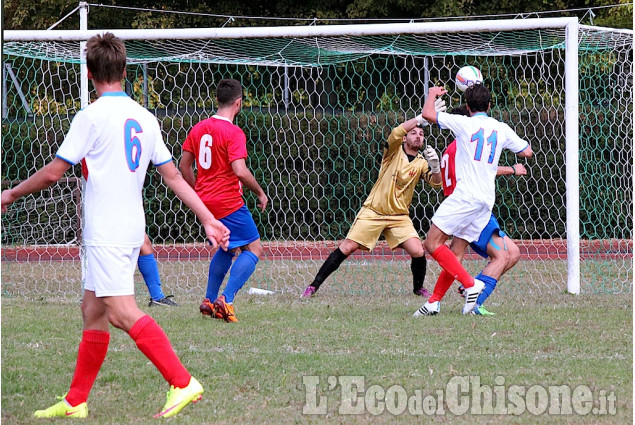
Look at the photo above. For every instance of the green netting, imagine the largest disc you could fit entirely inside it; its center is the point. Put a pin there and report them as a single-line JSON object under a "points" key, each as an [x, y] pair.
{"points": [[315, 135]]}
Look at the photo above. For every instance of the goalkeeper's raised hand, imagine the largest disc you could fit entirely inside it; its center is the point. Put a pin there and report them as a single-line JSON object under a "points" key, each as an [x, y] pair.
{"points": [[439, 106], [433, 159]]}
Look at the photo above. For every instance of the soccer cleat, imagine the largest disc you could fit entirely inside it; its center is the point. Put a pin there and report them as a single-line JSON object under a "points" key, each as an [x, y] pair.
{"points": [[178, 398], [428, 309], [63, 410], [226, 311], [308, 292], [482, 311], [471, 295], [207, 309], [461, 291], [422, 292], [167, 301]]}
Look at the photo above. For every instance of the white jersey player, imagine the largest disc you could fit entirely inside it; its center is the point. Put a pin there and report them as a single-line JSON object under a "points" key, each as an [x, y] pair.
{"points": [[117, 138], [465, 213]]}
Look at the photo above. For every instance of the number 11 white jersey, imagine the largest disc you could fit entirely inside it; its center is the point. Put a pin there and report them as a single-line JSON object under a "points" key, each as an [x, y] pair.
{"points": [[117, 138], [480, 141]]}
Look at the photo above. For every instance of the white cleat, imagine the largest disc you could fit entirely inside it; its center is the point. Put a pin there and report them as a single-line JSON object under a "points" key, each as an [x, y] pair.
{"points": [[428, 309], [471, 295]]}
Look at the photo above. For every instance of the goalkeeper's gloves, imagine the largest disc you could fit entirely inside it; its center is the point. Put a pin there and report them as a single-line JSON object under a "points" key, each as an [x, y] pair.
{"points": [[433, 159], [439, 106]]}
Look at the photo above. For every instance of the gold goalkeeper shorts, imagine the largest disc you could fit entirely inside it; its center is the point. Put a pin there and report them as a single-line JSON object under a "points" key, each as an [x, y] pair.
{"points": [[369, 225]]}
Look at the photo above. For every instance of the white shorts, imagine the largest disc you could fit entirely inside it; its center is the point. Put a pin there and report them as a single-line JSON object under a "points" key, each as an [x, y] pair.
{"points": [[461, 218], [110, 270]]}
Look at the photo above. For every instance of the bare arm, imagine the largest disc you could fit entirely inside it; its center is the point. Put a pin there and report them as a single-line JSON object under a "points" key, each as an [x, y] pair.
{"points": [[516, 169], [429, 112], [526, 153], [186, 167], [43, 178], [247, 179], [217, 233]]}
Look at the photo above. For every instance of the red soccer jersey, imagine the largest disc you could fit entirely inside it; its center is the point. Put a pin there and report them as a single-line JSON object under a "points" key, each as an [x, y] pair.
{"points": [[215, 143], [448, 172]]}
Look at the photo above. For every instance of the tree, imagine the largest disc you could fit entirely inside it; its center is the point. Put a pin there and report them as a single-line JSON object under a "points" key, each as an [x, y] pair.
{"points": [[41, 14]]}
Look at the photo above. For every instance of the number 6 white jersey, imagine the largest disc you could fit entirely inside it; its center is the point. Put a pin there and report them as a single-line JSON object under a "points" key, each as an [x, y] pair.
{"points": [[117, 138], [480, 141]]}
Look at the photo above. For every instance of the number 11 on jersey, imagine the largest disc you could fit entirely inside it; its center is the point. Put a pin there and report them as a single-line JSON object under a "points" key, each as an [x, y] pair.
{"points": [[479, 138]]}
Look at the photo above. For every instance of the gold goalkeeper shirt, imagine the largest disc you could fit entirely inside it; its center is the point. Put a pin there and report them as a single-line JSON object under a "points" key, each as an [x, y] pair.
{"points": [[398, 176]]}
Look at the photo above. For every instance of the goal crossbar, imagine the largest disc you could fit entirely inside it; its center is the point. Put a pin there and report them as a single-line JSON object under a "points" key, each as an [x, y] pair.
{"points": [[297, 31]]}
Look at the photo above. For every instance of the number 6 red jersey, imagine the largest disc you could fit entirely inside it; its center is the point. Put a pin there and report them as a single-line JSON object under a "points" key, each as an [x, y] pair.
{"points": [[215, 143]]}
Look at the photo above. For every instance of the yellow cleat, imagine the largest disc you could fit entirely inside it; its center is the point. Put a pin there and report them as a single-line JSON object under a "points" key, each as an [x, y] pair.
{"points": [[178, 398], [63, 410]]}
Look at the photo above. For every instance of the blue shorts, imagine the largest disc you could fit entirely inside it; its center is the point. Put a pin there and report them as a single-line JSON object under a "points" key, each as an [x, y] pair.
{"points": [[480, 246], [242, 229]]}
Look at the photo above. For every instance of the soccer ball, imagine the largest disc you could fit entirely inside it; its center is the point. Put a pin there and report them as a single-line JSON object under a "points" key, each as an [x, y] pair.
{"points": [[468, 76]]}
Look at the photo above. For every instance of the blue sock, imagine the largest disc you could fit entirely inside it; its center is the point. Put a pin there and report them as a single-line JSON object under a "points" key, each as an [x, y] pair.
{"points": [[241, 270], [150, 271], [218, 267], [490, 285]]}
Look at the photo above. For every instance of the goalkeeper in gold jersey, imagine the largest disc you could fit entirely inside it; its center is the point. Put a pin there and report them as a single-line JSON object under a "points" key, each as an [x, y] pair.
{"points": [[385, 211]]}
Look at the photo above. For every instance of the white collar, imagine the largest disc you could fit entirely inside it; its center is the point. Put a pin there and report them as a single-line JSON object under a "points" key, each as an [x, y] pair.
{"points": [[221, 118]]}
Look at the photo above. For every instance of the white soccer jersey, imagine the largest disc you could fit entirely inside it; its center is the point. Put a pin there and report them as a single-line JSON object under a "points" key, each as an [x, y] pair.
{"points": [[117, 138], [480, 141]]}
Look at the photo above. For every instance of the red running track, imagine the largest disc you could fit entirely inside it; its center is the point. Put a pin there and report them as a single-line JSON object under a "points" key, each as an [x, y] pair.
{"points": [[542, 249]]}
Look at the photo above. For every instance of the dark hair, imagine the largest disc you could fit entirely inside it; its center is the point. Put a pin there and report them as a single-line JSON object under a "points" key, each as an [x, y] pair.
{"points": [[227, 91], [478, 98], [460, 110], [106, 57]]}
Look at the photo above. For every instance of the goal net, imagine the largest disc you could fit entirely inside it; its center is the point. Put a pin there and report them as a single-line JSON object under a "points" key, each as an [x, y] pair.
{"points": [[319, 103]]}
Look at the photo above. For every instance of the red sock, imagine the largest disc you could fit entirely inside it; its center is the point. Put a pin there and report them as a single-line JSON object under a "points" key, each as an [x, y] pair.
{"points": [[444, 282], [154, 343], [90, 356], [446, 259]]}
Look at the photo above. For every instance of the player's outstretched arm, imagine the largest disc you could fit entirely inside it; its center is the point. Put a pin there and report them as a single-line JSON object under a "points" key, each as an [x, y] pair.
{"points": [[217, 233], [247, 179], [516, 169], [43, 178]]}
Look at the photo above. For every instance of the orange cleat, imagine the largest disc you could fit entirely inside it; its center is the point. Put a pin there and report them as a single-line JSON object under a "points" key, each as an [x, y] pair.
{"points": [[226, 311]]}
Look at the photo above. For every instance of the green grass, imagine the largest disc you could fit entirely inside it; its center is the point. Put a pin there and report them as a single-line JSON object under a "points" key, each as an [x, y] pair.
{"points": [[253, 370]]}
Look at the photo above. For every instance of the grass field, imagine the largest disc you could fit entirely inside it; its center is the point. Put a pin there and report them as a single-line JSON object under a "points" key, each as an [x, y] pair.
{"points": [[253, 370]]}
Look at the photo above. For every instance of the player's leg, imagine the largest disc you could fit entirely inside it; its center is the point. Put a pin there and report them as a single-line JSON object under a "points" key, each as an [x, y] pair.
{"points": [[514, 253], [447, 259], [505, 254], [403, 234], [241, 270], [444, 281], [499, 258], [114, 285], [218, 268], [90, 356], [363, 234], [123, 313], [330, 265], [244, 235], [149, 269]]}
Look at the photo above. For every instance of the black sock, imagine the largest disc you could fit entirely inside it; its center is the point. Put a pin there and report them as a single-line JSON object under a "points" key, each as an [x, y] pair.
{"points": [[330, 265], [418, 268]]}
